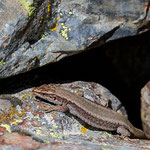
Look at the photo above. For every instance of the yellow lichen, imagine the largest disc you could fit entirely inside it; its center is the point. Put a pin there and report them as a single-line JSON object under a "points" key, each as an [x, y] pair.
{"points": [[108, 134], [8, 127], [40, 57], [70, 13], [73, 121], [55, 126], [41, 20], [25, 95], [65, 30], [4, 106], [46, 141], [83, 129], [13, 112], [55, 28], [28, 6], [28, 107], [50, 129], [39, 132], [78, 127], [16, 121], [55, 135], [43, 35], [11, 117], [48, 8], [36, 117], [61, 14], [49, 45], [2, 63]]}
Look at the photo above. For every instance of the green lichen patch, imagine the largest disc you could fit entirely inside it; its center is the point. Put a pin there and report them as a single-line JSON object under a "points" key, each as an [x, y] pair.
{"points": [[64, 31], [28, 6], [2, 63]]}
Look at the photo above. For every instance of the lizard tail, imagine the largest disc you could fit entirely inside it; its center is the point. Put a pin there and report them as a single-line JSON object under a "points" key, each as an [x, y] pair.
{"points": [[139, 133]]}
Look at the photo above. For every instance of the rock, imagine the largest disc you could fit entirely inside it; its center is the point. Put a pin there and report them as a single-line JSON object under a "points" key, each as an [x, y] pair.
{"points": [[53, 30], [145, 109], [17, 141], [28, 127]]}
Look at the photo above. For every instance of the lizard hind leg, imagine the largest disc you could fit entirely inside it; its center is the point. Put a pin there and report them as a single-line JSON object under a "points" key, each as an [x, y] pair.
{"points": [[123, 131]]}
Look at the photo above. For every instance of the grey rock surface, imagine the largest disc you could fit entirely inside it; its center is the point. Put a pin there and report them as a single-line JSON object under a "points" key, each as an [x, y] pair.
{"points": [[58, 29]]}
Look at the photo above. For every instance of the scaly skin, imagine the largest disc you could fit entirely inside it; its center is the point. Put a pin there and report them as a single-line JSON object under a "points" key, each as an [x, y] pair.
{"points": [[95, 115]]}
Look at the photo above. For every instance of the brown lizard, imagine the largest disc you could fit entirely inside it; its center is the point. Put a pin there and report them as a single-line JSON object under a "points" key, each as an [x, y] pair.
{"points": [[93, 114]]}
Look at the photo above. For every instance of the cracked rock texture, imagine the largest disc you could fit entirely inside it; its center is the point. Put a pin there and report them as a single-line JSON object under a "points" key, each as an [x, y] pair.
{"points": [[39, 32]]}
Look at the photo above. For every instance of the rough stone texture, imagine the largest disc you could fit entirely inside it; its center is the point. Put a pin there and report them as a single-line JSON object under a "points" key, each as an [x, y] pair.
{"points": [[62, 28], [9, 14], [23, 125], [18, 141], [145, 109]]}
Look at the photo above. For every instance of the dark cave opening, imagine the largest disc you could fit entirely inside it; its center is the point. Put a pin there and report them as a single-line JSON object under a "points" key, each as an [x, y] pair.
{"points": [[122, 66]]}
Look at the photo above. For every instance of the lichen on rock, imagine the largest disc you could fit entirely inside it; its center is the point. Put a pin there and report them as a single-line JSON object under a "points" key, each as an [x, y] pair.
{"points": [[28, 5]]}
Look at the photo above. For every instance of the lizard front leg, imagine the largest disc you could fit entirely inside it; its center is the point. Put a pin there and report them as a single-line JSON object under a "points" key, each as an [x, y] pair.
{"points": [[60, 108], [48, 108], [123, 131]]}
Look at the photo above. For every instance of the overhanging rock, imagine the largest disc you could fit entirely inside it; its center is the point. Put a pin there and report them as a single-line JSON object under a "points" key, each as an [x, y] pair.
{"points": [[53, 30]]}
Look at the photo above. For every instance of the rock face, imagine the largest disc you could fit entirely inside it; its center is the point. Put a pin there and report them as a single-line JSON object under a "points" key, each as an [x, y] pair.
{"points": [[56, 29], [145, 109], [23, 125]]}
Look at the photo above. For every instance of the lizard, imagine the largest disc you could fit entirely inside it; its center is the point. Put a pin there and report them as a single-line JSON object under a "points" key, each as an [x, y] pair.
{"points": [[90, 112]]}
